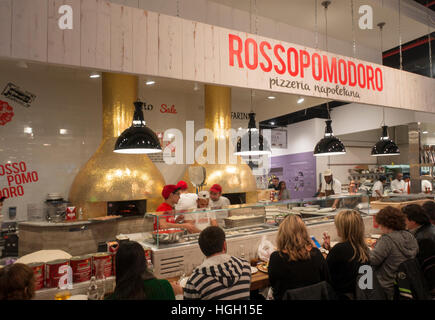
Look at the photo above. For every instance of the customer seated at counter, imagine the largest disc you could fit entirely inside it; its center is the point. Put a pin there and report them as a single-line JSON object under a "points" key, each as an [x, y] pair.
{"points": [[17, 282], [396, 245], [429, 207], [296, 263], [187, 200], [378, 187], [218, 201], [418, 223], [220, 276], [345, 258], [171, 194], [202, 220], [134, 281]]}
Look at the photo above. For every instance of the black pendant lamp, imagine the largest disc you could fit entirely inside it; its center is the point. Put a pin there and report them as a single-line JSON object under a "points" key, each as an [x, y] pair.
{"points": [[252, 143], [385, 146], [329, 145], [138, 139]]}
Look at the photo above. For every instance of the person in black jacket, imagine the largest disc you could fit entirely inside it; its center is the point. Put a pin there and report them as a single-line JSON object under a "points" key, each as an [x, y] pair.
{"points": [[419, 224], [297, 263], [345, 258], [429, 207]]}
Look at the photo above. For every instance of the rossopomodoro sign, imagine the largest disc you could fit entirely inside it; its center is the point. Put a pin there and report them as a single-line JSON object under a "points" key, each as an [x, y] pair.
{"points": [[114, 38]]}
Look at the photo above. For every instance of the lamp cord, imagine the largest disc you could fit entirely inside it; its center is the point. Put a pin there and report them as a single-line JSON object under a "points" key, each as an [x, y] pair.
{"points": [[353, 29], [430, 42], [326, 4], [326, 26], [400, 38], [316, 28]]}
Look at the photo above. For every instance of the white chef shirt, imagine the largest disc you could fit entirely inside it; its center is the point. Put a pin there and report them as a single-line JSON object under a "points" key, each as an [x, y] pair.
{"points": [[335, 184], [425, 184], [222, 202], [202, 220], [187, 201], [398, 185], [378, 186]]}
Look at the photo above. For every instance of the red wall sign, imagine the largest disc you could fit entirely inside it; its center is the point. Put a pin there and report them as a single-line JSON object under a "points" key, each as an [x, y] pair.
{"points": [[6, 113], [300, 63], [165, 109], [16, 176]]}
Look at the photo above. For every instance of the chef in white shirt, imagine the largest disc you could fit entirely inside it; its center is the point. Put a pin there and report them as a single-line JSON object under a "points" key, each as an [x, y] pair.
{"points": [[202, 220], [426, 186], [330, 186], [187, 200], [378, 187], [398, 185], [218, 201], [407, 180]]}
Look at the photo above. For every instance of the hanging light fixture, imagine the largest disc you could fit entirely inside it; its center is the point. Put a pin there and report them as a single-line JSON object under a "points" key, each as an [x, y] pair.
{"points": [[138, 139], [329, 145], [252, 143], [385, 146]]}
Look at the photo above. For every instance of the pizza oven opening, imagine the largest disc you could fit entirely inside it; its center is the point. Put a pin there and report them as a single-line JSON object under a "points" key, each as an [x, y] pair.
{"points": [[135, 208]]}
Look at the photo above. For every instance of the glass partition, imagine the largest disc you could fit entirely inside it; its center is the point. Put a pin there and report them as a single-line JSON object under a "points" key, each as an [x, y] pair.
{"points": [[236, 220]]}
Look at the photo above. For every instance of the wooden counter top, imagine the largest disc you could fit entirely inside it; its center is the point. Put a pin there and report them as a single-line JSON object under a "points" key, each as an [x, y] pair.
{"points": [[259, 280]]}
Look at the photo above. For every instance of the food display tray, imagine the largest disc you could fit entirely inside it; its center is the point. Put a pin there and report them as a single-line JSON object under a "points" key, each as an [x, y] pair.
{"points": [[231, 223]]}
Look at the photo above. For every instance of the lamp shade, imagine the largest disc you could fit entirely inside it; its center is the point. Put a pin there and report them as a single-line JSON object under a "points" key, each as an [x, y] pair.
{"points": [[329, 145], [385, 146], [138, 139], [252, 143]]}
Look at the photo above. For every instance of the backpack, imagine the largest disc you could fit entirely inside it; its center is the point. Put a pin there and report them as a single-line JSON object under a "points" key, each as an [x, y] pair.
{"points": [[409, 283]]}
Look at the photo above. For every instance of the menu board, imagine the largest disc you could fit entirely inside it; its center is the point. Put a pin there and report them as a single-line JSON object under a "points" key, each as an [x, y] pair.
{"points": [[279, 138], [298, 172]]}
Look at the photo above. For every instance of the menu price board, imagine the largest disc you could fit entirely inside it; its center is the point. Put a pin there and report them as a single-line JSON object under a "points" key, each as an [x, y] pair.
{"points": [[279, 139]]}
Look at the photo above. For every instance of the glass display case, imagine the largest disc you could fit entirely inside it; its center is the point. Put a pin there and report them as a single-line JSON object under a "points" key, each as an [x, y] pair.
{"points": [[247, 219]]}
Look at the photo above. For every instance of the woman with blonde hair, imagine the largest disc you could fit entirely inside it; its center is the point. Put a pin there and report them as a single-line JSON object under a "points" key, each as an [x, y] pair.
{"points": [[296, 263], [345, 258]]}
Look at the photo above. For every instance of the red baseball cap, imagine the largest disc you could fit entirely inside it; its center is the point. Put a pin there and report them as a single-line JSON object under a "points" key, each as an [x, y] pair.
{"points": [[216, 188], [167, 190], [182, 185]]}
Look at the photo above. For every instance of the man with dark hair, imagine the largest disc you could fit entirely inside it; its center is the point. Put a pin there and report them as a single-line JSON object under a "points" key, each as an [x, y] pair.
{"points": [[274, 183], [418, 223], [167, 219], [429, 207], [220, 276]]}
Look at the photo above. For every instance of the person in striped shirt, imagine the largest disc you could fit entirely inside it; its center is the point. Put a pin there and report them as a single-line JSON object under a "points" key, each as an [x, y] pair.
{"points": [[220, 276]]}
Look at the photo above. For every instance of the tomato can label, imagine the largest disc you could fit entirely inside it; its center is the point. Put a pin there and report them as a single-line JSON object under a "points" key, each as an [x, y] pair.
{"points": [[81, 268], [39, 272], [104, 261], [52, 275]]}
